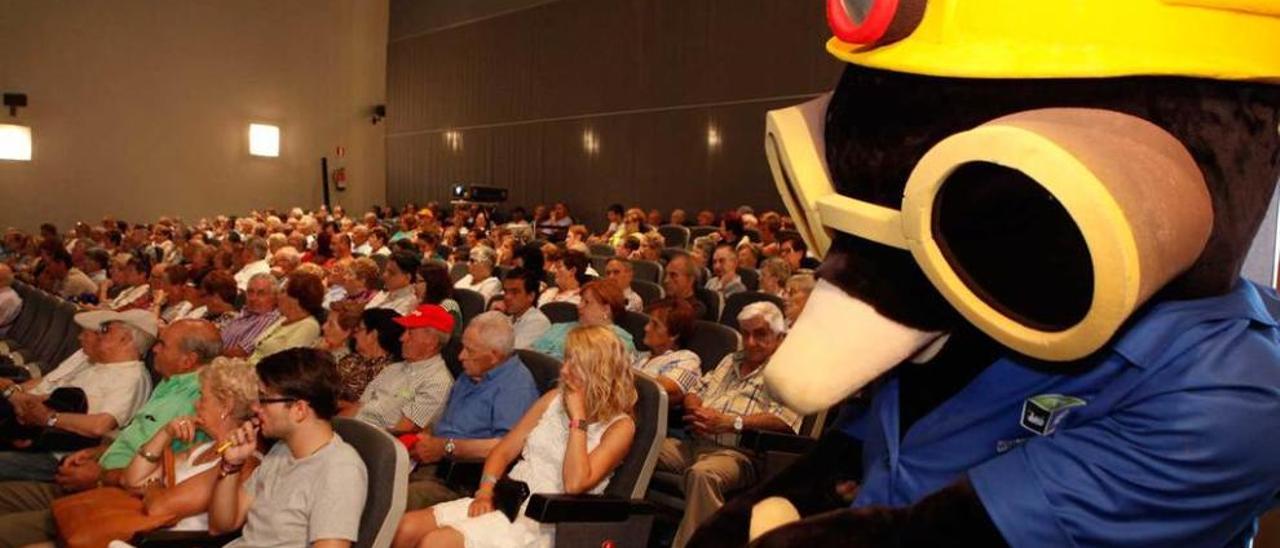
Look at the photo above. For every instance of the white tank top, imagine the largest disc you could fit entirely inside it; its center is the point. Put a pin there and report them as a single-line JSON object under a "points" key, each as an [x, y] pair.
{"points": [[542, 460], [184, 470]]}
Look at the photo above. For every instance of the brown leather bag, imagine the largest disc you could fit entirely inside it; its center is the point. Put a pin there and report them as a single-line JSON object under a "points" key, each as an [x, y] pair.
{"points": [[94, 518]]}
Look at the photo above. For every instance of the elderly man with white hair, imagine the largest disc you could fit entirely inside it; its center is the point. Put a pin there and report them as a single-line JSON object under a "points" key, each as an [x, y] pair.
{"points": [[725, 402], [10, 301], [480, 276], [486, 401], [89, 395]]}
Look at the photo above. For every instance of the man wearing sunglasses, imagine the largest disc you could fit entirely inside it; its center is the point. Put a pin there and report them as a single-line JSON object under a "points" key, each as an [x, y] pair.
{"points": [[107, 380], [311, 485]]}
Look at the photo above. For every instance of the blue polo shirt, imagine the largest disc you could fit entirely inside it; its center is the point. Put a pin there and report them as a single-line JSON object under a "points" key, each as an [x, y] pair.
{"points": [[1171, 440], [491, 407]]}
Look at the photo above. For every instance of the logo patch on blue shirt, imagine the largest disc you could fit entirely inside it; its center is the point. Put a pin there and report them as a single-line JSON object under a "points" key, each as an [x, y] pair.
{"points": [[1041, 414]]}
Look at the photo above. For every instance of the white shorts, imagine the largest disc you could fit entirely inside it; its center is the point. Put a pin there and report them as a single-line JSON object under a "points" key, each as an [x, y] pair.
{"points": [[493, 530]]}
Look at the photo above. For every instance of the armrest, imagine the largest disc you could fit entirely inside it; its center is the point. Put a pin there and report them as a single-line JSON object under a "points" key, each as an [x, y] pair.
{"points": [[546, 508], [761, 441], [182, 539], [460, 474]]}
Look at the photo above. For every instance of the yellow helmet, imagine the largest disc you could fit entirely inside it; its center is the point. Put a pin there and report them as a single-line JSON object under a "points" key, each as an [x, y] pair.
{"points": [[1216, 39]]}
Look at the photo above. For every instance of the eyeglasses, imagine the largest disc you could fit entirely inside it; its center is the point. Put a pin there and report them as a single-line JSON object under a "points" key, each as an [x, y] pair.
{"points": [[281, 399], [105, 328]]}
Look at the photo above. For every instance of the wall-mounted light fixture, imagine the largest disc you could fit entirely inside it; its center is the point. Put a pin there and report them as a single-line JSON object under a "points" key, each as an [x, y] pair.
{"points": [[264, 140], [15, 140], [590, 142], [713, 137], [453, 140]]}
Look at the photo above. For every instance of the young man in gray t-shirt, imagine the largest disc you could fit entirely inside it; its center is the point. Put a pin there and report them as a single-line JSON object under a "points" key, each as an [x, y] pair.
{"points": [[310, 488]]}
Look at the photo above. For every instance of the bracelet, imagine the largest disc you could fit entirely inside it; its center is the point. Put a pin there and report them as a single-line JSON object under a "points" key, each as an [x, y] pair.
{"points": [[148, 456], [578, 424], [224, 470], [488, 478]]}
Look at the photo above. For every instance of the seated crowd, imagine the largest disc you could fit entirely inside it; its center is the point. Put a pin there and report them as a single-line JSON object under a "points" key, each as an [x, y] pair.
{"points": [[213, 358]]}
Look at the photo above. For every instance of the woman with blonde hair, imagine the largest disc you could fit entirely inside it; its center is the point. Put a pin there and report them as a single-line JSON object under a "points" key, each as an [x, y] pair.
{"points": [[570, 441]]}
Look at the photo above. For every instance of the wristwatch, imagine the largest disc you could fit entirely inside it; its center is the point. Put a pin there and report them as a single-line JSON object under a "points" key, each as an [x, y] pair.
{"points": [[53, 420], [578, 424], [449, 447], [737, 423], [11, 390]]}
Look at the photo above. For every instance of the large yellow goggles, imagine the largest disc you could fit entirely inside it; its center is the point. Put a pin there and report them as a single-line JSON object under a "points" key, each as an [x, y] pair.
{"points": [[1132, 190]]}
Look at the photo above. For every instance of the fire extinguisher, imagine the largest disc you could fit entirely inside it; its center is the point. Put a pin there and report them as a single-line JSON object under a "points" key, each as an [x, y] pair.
{"points": [[340, 178]]}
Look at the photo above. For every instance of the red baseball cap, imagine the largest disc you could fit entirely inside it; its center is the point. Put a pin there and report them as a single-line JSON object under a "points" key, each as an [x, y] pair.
{"points": [[428, 315]]}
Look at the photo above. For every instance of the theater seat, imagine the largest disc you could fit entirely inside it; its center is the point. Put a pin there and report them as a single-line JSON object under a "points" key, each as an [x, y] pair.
{"points": [[560, 312], [471, 302], [712, 342], [675, 235]]}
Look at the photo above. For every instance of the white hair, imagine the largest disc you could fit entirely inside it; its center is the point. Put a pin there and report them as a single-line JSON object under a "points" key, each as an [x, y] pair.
{"points": [[495, 332], [484, 254], [142, 340], [766, 311]]}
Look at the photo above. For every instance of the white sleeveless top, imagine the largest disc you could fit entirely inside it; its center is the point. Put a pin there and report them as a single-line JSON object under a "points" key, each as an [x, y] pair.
{"points": [[542, 460], [184, 470]]}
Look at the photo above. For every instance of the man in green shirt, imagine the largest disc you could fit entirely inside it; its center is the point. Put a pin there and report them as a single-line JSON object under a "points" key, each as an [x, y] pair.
{"points": [[180, 350]]}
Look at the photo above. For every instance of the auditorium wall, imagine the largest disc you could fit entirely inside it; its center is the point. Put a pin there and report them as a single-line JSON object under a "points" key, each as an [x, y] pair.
{"points": [[653, 102], [140, 108]]}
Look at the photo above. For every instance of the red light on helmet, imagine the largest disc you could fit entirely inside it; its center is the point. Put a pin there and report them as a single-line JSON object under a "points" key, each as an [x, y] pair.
{"points": [[873, 22]]}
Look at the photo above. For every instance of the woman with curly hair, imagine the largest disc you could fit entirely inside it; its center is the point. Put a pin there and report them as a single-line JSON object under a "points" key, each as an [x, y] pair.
{"points": [[569, 442]]}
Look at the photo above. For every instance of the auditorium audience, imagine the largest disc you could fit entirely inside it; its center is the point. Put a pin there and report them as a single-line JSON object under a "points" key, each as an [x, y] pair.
{"points": [[519, 292], [725, 267], [678, 282], [570, 275], [571, 440], [63, 279], [311, 485], [240, 335], [388, 370], [774, 273], [10, 301], [410, 394], [726, 401], [228, 392], [397, 284], [87, 396], [336, 333], [622, 273], [216, 297], [668, 360], [127, 286], [485, 402], [377, 343], [299, 306], [480, 276], [254, 256], [799, 287], [601, 303], [180, 351], [795, 251]]}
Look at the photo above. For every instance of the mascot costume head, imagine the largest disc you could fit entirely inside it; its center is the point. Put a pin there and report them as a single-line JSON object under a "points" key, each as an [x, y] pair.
{"points": [[1033, 215]]}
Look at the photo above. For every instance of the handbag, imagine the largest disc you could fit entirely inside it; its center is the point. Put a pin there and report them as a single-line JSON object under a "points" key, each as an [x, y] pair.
{"points": [[508, 495], [94, 518]]}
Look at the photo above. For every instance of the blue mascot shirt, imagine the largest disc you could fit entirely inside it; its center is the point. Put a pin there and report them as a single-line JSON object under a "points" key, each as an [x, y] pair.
{"points": [[1171, 440]]}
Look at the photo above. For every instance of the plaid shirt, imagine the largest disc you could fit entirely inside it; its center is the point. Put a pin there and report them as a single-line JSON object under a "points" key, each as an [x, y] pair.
{"points": [[415, 390], [681, 366], [725, 390]]}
